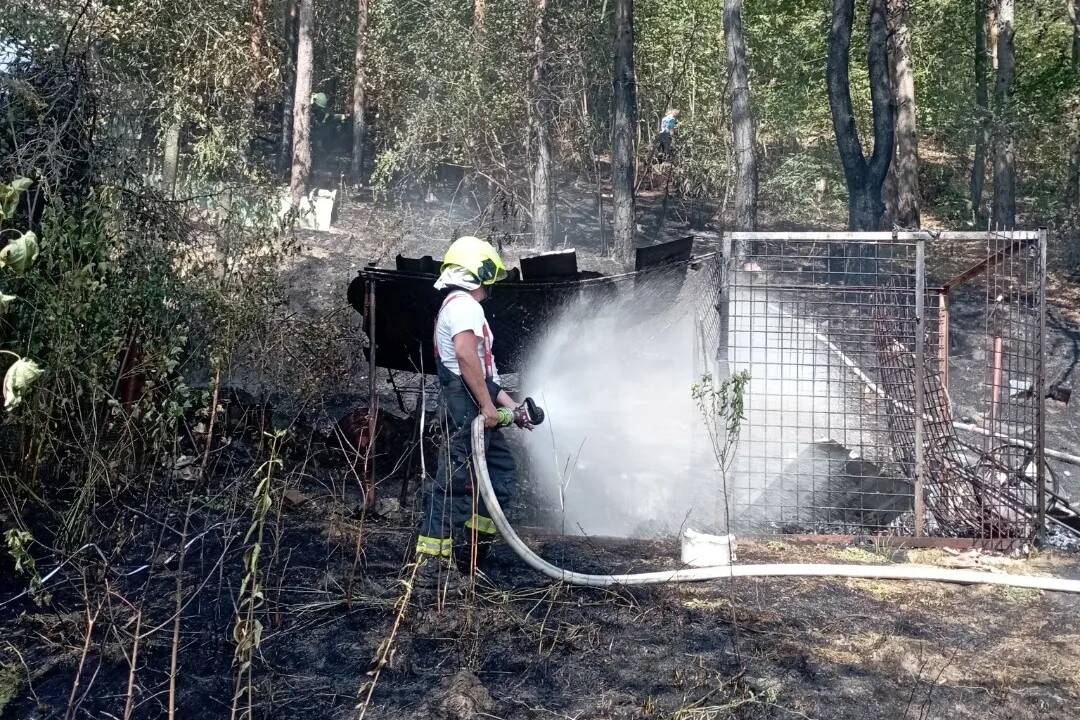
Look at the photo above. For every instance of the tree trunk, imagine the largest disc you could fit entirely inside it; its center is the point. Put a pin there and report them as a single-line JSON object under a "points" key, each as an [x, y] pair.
{"points": [[904, 169], [1074, 15], [479, 10], [982, 105], [301, 154], [1003, 213], [171, 162], [864, 179], [622, 133], [258, 33], [1072, 189], [289, 85], [742, 118], [541, 118], [359, 130], [992, 8], [257, 41]]}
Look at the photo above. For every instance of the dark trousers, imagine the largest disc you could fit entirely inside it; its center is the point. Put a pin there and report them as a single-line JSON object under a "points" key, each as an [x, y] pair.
{"points": [[448, 499], [664, 146]]}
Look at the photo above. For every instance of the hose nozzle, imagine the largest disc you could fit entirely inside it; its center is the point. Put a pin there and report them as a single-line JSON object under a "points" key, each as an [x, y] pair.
{"points": [[525, 415]]}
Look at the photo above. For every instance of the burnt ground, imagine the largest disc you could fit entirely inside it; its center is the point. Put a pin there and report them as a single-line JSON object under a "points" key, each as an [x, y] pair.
{"points": [[515, 645]]}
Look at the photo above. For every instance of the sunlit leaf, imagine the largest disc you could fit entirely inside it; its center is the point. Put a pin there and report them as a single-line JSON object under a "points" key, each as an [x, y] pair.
{"points": [[20, 253], [18, 379]]}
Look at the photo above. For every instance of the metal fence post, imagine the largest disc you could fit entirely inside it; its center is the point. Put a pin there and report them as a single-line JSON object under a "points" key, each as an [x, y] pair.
{"points": [[373, 400], [920, 388], [723, 307], [1040, 391]]}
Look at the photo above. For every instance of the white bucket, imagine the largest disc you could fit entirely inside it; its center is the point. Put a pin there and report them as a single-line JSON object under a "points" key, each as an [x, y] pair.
{"points": [[703, 550]]}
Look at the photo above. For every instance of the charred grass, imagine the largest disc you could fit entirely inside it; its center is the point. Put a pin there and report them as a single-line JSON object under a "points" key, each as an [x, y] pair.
{"points": [[511, 644]]}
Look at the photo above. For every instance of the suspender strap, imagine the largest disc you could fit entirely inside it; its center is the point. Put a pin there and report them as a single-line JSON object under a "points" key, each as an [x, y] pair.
{"points": [[489, 358]]}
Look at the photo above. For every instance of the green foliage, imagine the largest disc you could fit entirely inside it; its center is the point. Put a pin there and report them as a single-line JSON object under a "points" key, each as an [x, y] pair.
{"points": [[12, 677], [449, 95], [786, 46], [18, 542], [16, 257], [722, 410], [247, 630], [19, 254], [723, 405], [9, 196]]}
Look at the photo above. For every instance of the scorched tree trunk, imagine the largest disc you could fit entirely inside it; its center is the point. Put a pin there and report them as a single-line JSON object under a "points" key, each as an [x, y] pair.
{"points": [[742, 118], [864, 179], [359, 130], [1003, 215], [541, 118], [301, 154], [622, 140]]}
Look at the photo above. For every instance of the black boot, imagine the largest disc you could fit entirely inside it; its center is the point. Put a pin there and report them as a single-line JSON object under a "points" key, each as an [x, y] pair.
{"points": [[434, 576], [463, 551]]}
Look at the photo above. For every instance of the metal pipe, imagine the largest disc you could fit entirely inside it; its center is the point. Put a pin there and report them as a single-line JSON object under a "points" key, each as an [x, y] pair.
{"points": [[723, 572], [373, 403], [920, 387], [901, 236], [1040, 389], [943, 340]]}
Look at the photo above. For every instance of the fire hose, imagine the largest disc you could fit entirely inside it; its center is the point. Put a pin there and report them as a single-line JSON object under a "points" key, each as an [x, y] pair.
{"points": [[723, 572]]}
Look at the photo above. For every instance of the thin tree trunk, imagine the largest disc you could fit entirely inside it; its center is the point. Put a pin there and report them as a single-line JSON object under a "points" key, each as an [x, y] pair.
{"points": [[622, 133], [982, 106], [148, 142], [288, 87], [864, 179], [258, 34], [171, 162], [301, 154], [1003, 213], [359, 129], [1072, 189], [257, 41], [742, 118], [479, 11], [992, 9], [540, 117], [1074, 15], [904, 170]]}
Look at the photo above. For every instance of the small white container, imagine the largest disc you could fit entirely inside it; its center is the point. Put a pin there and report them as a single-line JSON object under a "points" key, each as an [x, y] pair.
{"points": [[703, 550]]}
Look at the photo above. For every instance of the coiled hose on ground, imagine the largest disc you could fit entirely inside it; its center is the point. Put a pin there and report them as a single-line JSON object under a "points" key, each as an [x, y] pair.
{"points": [[722, 572]]}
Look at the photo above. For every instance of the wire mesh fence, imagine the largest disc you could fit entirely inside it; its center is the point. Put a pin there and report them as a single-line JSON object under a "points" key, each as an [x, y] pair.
{"points": [[850, 423]]}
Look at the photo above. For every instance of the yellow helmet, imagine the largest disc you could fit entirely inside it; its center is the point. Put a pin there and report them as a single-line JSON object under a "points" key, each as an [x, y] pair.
{"points": [[478, 257]]}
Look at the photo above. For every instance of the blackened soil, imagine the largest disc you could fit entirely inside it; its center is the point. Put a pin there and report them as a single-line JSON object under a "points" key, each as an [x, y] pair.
{"points": [[513, 645]]}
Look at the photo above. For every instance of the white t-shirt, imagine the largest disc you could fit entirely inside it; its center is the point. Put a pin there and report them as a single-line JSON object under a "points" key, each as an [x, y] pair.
{"points": [[461, 312]]}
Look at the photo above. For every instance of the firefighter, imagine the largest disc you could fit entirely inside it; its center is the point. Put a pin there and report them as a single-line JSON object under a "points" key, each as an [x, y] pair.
{"points": [[454, 523]]}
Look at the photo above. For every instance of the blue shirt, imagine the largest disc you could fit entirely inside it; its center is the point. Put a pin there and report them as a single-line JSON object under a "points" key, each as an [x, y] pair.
{"points": [[668, 123]]}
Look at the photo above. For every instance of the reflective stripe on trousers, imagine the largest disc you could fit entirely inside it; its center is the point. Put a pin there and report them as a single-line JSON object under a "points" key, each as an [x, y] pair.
{"points": [[447, 499]]}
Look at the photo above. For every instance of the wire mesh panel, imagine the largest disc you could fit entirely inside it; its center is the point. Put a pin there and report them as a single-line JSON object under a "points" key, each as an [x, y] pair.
{"points": [[995, 354], [814, 454], [849, 423]]}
